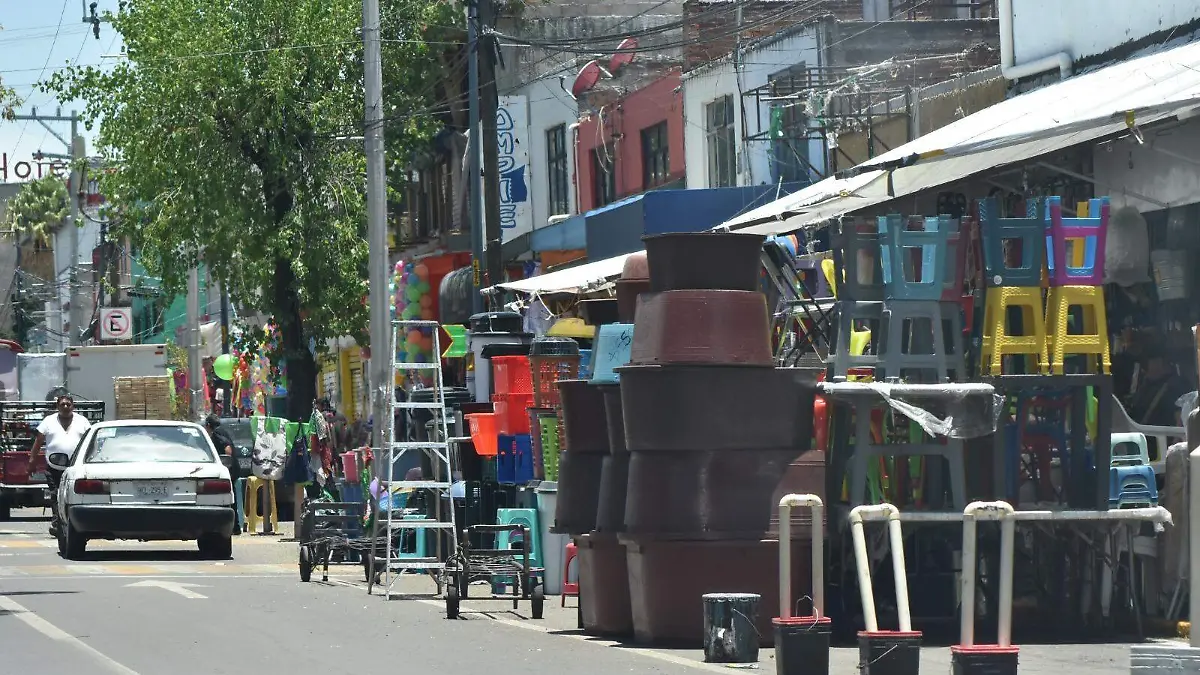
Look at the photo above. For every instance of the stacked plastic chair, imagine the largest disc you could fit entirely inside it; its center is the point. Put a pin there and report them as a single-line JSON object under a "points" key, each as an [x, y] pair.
{"points": [[1075, 250], [859, 293], [913, 304], [1131, 481], [1011, 285]]}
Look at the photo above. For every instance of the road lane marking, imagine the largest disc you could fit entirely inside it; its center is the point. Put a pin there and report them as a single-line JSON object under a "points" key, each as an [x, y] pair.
{"points": [[171, 587], [27, 543], [57, 634]]}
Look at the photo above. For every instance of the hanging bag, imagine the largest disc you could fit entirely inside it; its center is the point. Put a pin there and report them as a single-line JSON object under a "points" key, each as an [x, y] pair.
{"points": [[270, 451]]}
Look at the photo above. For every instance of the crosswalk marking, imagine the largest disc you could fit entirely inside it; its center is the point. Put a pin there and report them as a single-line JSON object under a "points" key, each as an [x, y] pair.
{"points": [[27, 543]]}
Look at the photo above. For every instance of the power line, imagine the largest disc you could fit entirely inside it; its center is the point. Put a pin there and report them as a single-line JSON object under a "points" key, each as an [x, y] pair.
{"points": [[49, 54]]}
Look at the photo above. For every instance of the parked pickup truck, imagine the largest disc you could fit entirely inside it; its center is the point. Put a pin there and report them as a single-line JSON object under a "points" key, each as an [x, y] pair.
{"points": [[18, 428]]}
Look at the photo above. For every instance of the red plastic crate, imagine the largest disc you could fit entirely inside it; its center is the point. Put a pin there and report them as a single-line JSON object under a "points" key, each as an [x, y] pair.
{"points": [[512, 417], [511, 375]]}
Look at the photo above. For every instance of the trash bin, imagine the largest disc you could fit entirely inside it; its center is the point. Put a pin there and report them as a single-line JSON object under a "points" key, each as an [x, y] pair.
{"points": [[553, 545]]}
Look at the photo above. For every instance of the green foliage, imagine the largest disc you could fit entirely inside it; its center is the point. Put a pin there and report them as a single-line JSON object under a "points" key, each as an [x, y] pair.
{"points": [[39, 207], [226, 131]]}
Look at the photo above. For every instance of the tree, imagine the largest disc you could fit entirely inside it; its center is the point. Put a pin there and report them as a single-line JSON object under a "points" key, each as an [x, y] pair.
{"points": [[41, 206], [231, 135]]}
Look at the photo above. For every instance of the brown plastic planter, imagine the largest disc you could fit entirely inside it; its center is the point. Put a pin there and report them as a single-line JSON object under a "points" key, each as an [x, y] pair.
{"points": [[578, 492], [702, 328], [725, 494], [627, 297], [604, 586], [667, 580], [695, 408], [704, 260], [599, 312], [805, 475], [581, 418], [636, 267], [614, 477]]}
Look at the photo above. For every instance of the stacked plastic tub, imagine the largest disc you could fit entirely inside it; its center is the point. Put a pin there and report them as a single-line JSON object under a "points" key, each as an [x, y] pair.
{"points": [[714, 434]]}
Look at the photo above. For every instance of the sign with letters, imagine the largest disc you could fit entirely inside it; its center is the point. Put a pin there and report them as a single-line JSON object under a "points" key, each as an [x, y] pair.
{"points": [[512, 135], [116, 323]]}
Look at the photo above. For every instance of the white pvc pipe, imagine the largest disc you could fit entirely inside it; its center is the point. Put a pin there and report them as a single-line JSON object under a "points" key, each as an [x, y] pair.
{"points": [[1151, 514], [1193, 542], [813, 502], [1008, 68], [975, 511], [857, 516]]}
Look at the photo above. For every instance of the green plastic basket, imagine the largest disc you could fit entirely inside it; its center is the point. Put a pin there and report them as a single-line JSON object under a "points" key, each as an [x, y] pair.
{"points": [[548, 428]]}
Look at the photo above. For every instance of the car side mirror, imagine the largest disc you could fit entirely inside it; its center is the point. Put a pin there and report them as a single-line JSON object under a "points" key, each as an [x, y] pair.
{"points": [[59, 460]]}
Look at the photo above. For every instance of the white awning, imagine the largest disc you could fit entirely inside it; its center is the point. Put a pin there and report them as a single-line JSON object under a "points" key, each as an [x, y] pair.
{"points": [[1081, 109], [571, 280]]}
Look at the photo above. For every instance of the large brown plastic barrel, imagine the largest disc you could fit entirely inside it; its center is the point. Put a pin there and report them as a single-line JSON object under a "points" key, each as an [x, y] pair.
{"points": [[614, 477], [604, 586], [704, 260], [702, 328]]}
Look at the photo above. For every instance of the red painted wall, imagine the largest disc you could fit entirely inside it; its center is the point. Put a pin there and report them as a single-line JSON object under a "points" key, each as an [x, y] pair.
{"points": [[621, 131]]}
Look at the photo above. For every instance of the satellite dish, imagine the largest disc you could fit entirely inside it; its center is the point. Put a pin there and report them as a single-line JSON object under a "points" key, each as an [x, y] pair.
{"points": [[587, 78], [623, 56]]}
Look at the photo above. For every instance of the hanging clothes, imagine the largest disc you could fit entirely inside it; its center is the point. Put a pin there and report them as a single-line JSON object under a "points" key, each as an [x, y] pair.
{"points": [[297, 469], [270, 449]]}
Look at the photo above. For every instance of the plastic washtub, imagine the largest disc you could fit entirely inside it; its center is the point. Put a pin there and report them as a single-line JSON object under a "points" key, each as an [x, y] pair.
{"points": [[483, 433]]}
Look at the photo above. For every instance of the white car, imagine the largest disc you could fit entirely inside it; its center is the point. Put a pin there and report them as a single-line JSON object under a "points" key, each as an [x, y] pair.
{"points": [[145, 480]]}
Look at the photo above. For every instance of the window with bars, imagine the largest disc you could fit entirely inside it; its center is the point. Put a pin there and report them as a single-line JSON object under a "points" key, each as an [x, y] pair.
{"points": [[789, 126], [722, 147], [556, 170], [604, 180], [656, 156]]}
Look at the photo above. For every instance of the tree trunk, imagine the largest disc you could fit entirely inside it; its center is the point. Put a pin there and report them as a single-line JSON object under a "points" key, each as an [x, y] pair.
{"points": [[301, 365]]}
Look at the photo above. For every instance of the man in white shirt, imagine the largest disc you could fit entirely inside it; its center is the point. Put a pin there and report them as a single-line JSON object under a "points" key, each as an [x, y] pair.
{"points": [[60, 432]]}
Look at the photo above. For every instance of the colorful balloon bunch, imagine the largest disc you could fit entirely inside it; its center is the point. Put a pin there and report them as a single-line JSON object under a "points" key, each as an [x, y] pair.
{"points": [[411, 300]]}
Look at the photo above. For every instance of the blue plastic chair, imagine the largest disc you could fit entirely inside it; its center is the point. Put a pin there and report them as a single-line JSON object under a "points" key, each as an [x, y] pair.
{"points": [[1029, 231], [510, 540]]}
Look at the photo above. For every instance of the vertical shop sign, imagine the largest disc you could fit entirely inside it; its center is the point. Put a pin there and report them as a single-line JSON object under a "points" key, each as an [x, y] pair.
{"points": [[512, 132]]}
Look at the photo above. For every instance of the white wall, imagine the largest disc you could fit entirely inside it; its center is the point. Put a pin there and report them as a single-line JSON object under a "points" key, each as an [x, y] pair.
{"points": [[1146, 170], [549, 106], [1088, 27], [709, 83]]}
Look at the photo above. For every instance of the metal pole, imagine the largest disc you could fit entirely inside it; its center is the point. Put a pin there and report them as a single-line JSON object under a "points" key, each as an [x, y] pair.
{"points": [[489, 106], [227, 405], [474, 168], [195, 368], [376, 223]]}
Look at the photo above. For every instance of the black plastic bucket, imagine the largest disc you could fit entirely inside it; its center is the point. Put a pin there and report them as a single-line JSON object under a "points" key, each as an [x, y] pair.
{"points": [[729, 632], [802, 645], [889, 652], [983, 660]]}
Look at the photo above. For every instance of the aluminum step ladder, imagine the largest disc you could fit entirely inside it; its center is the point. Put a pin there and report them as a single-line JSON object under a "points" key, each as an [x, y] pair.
{"points": [[393, 525]]}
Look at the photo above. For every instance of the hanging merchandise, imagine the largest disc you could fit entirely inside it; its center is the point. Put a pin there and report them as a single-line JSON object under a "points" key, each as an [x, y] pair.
{"points": [[412, 300], [270, 448], [1127, 251]]}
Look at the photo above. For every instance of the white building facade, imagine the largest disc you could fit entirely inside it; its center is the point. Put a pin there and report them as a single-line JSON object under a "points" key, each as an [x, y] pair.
{"points": [[731, 139]]}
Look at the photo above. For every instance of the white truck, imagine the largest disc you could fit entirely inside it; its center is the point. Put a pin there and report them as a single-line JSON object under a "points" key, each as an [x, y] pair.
{"points": [[90, 370]]}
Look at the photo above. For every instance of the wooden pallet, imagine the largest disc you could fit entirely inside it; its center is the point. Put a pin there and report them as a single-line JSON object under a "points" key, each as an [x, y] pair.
{"points": [[143, 398]]}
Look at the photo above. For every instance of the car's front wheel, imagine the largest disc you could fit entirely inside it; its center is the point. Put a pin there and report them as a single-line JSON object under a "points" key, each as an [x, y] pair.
{"points": [[215, 546], [71, 544]]}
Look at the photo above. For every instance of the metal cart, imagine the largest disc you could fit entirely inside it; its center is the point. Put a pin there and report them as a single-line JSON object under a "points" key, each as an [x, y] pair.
{"points": [[479, 564], [328, 528]]}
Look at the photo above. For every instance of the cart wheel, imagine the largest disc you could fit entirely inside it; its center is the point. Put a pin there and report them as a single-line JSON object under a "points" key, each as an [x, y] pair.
{"points": [[451, 602], [306, 566], [537, 601]]}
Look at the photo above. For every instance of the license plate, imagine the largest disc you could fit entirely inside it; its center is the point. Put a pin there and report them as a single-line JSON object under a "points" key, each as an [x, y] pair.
{"points": [[38, 477], [152, 490]]}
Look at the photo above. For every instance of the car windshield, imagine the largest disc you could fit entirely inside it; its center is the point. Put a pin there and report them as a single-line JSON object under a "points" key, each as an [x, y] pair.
{"points": [[111, 445]]}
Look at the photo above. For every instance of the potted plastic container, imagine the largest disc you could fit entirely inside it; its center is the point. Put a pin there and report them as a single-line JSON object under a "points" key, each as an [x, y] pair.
{"points": [[704, 260]]}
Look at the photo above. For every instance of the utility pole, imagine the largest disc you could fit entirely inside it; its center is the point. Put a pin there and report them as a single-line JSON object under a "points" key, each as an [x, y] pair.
{"points": [[76, 192], [489, 105], [195, 367], [381, 329], [227, 397], [474, 169]]}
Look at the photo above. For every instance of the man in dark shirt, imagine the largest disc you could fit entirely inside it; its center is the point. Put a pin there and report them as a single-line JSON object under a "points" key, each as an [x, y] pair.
{"points": [[224, 445]]}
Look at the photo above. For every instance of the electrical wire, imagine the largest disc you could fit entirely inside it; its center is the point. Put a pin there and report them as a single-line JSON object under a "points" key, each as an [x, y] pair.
{"points": [[49, 54]]}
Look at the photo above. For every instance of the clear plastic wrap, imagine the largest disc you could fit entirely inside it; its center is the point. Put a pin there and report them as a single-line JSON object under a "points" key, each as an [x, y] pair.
{"points": [[961, 411], [1127, 251]]}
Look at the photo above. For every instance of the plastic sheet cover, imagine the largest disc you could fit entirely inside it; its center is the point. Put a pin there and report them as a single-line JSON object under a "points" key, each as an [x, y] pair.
{"points": [[959, 411]]}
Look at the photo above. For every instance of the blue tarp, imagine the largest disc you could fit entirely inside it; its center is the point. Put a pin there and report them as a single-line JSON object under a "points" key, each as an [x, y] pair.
{"points": [[619, 227]]}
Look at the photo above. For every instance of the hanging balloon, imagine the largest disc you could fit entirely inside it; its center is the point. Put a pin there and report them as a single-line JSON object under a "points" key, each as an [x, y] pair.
{"points": [[426, 301], [413, 294], [423, 287], [422, 272], [399, 266], [427, 314], [223, 367], [408, 267]]}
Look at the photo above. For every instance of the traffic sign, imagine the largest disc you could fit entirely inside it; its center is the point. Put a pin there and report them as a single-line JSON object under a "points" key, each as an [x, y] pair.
{"points": [[116, 323]]}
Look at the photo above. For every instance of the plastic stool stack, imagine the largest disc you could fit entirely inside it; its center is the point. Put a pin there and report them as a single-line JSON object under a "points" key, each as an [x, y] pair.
{"points": [[1013, 284], [1077, 281], [254, 519], [1131, 478]]}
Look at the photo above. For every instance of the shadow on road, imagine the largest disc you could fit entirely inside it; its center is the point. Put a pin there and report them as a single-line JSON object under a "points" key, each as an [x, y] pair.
{"points": [[162, 555], [11, 594], [25, 519]]}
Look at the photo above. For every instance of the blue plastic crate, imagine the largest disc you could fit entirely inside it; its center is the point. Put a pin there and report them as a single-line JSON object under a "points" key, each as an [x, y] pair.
{"points": [[514, 459]]}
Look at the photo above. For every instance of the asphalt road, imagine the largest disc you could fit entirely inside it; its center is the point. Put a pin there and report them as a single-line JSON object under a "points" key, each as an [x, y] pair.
{"points": [[157, 608]]}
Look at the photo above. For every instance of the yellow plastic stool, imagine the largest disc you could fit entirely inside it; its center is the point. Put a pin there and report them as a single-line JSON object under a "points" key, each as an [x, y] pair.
{"points": [[253, 519], [1094, 338], [996, 340]]}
